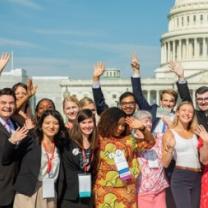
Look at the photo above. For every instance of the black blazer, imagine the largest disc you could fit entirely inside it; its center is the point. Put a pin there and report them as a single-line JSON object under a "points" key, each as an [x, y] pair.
{"points": [[7, 173], [142, 102], [68, 181], [28, 152], [184, 93]]}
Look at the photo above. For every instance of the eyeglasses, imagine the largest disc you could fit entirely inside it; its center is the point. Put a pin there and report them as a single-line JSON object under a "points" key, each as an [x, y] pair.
{"points": [[128, 103], [202, 99]]}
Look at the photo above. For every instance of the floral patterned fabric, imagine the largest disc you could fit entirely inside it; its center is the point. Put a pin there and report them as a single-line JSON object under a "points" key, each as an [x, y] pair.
{"points": [[152, 180], [110, 191]]}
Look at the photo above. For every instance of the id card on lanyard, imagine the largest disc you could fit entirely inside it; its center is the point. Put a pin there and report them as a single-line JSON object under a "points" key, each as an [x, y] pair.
{"points": [[85, 180], [122, 165], [48, 184]]}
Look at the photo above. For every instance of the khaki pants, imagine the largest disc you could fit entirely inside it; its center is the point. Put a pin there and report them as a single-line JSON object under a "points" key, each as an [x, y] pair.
{"points": [[34, 201]]}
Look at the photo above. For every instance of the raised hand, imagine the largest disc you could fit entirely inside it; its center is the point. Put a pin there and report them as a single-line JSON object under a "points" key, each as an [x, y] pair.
{"points": [[134, 123], [177, 69], [202, 133], [4, 59], [29, 124], [99, 69], [18, 135], [135, 64], [31, 89]]}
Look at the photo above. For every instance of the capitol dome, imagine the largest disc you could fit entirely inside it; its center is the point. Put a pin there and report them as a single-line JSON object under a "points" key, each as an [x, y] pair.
{"points": [[187, 38]]}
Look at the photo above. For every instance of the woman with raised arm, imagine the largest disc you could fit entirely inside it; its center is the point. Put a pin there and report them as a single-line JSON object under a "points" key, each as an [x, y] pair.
{"points": [[181, 143], [23, 92]]}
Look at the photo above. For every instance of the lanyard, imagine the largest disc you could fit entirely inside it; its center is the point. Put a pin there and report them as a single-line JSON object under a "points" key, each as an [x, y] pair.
{"points": [[86, 165], [49, 158]]}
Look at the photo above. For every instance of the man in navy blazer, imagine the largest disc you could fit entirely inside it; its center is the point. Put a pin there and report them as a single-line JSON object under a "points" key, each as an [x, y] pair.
{"points": [[7, 126], [168, 97], [127, 100], [201, 94]]}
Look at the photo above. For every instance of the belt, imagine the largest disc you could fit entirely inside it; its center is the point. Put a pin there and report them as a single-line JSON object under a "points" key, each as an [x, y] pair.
{"points": [[196, 170]]}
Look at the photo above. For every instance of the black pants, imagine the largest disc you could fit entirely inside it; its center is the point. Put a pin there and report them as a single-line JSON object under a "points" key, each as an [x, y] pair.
{"points": [[79, 203], [186, 186]]}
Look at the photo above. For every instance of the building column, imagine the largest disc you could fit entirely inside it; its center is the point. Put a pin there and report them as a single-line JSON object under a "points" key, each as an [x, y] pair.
{"points": [[157, 97], [196, 48], [166, 52], [204, 48], [174, 50], [179, 49], [148, 96], [162, 54]]}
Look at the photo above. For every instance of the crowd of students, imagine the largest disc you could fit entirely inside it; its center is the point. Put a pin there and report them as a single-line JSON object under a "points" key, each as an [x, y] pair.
{"points": [[134, 155]]}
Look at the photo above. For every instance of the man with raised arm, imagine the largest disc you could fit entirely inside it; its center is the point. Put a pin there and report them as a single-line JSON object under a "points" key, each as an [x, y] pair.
{"points": [[168, 99], [201, 94], [127, 101]]}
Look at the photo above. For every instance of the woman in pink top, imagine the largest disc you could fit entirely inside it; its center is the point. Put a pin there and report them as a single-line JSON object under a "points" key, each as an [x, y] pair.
{"points": [[151, 183]]}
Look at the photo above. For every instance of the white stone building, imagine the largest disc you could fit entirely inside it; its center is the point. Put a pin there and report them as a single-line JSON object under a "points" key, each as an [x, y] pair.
{"points": [[186, 41]]}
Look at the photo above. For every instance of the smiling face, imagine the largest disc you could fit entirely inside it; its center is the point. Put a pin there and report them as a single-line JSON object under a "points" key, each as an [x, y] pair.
{"points": [[70, 110], [147, 122], [43, 106], [87, 126], [185, 113], [20, 92], [128, 105], [120, 127], [7, 106], [168, 101], [202, 101], [50, 126]]}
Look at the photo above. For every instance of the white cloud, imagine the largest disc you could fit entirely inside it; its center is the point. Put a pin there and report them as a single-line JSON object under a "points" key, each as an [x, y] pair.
{"points": [[27, 3], [17, 43]]}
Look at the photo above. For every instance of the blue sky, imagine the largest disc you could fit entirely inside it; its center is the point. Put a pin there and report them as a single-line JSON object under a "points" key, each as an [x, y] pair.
{"points": [[67, 37]]}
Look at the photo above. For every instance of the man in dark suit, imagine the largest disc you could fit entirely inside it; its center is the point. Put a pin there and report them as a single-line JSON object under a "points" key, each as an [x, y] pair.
{"points": [[127, 100], [201, 94], [7, 127], [168, 97]]}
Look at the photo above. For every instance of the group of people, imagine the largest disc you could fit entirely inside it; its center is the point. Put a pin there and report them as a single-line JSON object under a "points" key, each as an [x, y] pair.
{"points": [[134, 155]]}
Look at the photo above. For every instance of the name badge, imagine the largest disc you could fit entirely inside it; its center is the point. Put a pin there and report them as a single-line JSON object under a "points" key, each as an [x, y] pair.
{"points": [[152, 159], [122, 165], [48, 188], [85, 182]]}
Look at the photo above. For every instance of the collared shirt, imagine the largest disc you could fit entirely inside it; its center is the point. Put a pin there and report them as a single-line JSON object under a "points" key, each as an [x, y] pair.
{"points": [[9, 126]]}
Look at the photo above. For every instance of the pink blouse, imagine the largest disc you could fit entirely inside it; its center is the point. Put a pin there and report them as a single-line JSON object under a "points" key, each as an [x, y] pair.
{"points": [[152, 179]]}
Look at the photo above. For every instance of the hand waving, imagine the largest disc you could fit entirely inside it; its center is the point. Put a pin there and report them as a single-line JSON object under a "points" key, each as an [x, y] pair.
{"points": [[99, 69], [4, 59], [177, 69]]}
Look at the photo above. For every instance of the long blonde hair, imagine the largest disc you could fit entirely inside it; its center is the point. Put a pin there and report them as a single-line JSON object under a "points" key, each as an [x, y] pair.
{"points": [[193, 123]]}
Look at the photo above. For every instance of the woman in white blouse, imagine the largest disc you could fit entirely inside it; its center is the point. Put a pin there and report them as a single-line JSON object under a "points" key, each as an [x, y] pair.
{"points": [[38, 155]]}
